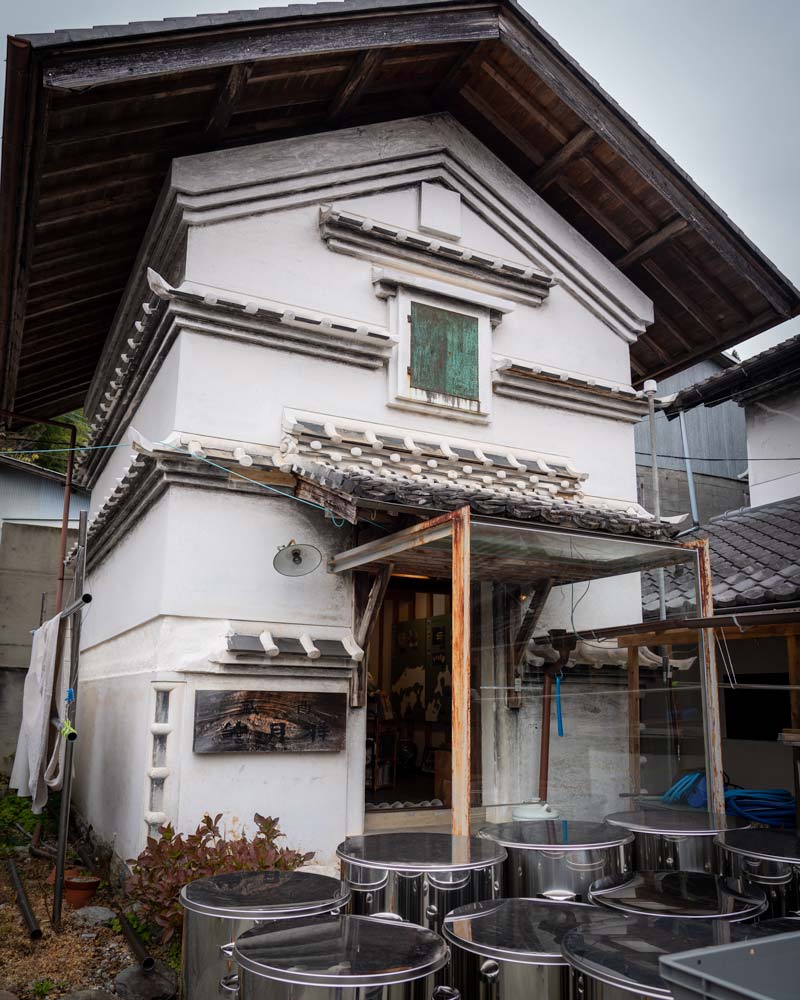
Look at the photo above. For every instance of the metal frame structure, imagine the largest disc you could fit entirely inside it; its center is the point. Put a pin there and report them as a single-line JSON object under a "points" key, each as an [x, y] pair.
{"points": [[456, 525]]}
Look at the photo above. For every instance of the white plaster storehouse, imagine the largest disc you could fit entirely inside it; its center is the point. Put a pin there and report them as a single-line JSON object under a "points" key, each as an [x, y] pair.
{"points": [[408, 257], [270, 324]]}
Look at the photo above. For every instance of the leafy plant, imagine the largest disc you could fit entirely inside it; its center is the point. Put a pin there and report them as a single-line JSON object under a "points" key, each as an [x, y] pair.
{"points": [[167, 864], [44, 987], [46, 446], [14, 813]]}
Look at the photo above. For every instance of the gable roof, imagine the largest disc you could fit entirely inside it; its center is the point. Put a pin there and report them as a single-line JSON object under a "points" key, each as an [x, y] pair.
{"points": [[94, 117], [755, 562], [766, 373]]}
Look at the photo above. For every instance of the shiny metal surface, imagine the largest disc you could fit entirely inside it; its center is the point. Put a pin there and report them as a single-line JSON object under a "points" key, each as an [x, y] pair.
{"points": [[769, 859], [617, 959], [339, 958], [559, 858], [679, 895], [221, 908], [419, 851], [677, 839], [510, 949], [420, 877]]}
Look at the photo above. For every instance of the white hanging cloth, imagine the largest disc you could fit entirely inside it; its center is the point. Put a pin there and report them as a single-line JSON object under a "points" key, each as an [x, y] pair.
{"points": [[28, 773]]}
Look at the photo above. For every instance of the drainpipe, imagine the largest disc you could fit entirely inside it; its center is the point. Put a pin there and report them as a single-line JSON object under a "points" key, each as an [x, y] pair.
{"points": [[62, 547], [689, 475], [650, 389]]}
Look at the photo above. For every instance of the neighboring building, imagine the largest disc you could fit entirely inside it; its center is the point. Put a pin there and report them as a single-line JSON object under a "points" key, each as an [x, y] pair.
{"points": [[31, 506], [346, 325], [767, 388], [719, 435], [755, 558]]}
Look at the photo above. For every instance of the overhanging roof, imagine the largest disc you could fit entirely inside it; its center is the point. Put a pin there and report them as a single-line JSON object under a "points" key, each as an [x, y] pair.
{"points": [[94, 117], [772, 371]]}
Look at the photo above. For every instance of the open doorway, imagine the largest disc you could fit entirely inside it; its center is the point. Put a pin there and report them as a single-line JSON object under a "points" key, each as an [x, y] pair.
{"points": [[409, 700]]}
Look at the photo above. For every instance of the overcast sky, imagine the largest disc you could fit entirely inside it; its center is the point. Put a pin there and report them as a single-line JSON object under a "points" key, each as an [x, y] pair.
{"points": [[715, 82]]}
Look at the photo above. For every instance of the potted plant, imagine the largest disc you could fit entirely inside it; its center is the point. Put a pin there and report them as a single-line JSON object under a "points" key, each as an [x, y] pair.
{"points": [[79, 888]]}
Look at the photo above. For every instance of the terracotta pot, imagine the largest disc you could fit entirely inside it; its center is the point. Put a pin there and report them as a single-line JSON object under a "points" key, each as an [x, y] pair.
{"points": [[79, 889], [68, 873]]}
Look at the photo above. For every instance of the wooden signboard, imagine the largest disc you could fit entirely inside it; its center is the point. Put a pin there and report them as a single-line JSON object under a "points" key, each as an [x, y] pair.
{"points": [[269, 721]]}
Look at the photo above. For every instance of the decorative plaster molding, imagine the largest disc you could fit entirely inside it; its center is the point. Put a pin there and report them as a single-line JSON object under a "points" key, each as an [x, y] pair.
{"points": [[219, 313], [358, 236], [314, 170], [551, 387]]}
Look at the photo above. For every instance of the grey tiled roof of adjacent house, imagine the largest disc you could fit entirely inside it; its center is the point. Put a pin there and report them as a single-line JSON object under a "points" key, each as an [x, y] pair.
{"points": [[755, 561], [766, 373]]}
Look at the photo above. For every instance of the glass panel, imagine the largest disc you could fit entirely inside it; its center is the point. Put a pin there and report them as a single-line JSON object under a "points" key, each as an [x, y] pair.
{"points": [[540, 600]]}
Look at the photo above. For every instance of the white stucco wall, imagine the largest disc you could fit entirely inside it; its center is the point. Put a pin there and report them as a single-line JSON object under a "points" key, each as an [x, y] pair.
{"points": [[198, 564], [773, 436]]}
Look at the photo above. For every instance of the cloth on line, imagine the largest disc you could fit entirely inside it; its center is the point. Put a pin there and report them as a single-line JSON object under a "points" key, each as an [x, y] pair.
{"points": [[27, 775], [54, 772]]}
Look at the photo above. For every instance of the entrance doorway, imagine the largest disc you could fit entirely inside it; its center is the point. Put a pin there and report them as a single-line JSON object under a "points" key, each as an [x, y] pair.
{"points": [[409, 699]]}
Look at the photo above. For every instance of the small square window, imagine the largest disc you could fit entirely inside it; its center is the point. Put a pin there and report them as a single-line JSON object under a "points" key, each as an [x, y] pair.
{"points": [[444, 352]]}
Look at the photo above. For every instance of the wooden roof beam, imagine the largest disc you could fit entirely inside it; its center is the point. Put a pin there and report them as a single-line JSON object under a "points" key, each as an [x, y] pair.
{"points": [[364, 68], [646, 246], [717, 289], [227, 99], [579, 144], [526, 101], [672, 327], [585, 98], [458, 73], [595, 213], [681, 297], [516, 138], [610, 182]]}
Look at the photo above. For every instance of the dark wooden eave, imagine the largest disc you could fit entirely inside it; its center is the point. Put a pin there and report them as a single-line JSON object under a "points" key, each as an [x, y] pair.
{"points": [[94, 117]]}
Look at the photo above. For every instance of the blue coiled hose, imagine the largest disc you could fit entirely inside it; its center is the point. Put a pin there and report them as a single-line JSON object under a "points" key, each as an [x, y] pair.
{"points": [[770, 806]]}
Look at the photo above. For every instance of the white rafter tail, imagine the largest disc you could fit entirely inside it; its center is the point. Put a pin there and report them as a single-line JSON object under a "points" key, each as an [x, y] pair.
{"points": [[140, 442], [353, 648], [333, 434], [268, 643], [412, 446], [242, 457], [158, 286], [195, 449], [308, 645]]}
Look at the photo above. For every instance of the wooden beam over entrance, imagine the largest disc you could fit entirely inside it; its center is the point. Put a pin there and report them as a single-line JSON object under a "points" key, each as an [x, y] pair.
{"points": [[461, 641]]}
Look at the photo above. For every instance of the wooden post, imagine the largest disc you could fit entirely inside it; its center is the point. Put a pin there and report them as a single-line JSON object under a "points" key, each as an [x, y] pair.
{"points": [[364, 625], [709, 685], [793, 660], [634, 719], [461, 673], [544, 742]]}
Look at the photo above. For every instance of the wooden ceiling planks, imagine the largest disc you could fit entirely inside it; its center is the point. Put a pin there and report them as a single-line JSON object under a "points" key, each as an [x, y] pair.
{"points": [[116, 105]]}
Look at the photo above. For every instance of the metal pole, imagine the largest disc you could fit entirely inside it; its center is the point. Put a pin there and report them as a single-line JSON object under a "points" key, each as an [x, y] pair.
{"points": [[689, 474], [650, 388], [461, 684], [709, 685], [72, 702]]}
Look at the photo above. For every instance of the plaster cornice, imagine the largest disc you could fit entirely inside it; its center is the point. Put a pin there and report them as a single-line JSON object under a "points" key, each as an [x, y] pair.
{"points": [[366, 160], [550, 387]]}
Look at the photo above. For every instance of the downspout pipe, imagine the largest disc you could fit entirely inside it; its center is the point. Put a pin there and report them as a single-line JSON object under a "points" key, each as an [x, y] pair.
{"points": [[689, 474]]}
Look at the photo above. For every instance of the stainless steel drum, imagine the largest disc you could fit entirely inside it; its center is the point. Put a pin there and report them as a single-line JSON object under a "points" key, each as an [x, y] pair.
{"points": [[618, 959], [420, 877], [561, 858], [680, 896], [510, 949], [340, 958], [675, 838], [220, 908], [769, 859]]}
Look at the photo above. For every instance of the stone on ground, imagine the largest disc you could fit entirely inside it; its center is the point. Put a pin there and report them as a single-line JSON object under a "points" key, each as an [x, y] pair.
{"points": [[91, 916], [160, 984], [87, 995], [5, 995]]}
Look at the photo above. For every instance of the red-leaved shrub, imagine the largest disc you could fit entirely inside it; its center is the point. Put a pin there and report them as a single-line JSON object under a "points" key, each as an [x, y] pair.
{"points": [[167, 864]]}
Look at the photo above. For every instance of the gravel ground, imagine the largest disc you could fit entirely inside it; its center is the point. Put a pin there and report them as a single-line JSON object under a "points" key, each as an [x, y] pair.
{"points": [[77, 958]]}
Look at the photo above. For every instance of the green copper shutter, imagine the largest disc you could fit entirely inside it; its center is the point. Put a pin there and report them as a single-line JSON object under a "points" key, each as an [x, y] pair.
{"points": [[444, 351]]}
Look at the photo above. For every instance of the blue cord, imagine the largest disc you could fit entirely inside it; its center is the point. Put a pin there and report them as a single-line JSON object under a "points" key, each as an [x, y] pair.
{"points": [[559, 719]]}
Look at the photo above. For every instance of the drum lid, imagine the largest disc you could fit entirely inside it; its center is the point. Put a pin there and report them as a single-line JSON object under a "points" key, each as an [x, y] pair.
{"points": [[340, 951], [264, 895], [681, 895], [556, 835], [675, 822], [767, 845], [624, 951], [418, 852], [525, 931]]}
